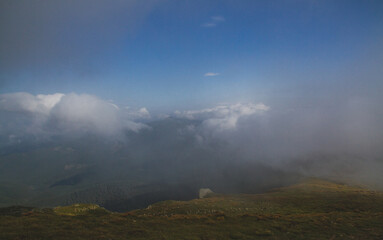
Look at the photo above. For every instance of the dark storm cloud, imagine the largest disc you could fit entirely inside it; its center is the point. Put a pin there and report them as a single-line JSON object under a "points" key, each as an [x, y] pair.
{"points": [[65, 35]]}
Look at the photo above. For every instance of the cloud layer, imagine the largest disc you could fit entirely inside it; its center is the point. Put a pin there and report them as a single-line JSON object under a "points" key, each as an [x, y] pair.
{"points": [[343, 135]]}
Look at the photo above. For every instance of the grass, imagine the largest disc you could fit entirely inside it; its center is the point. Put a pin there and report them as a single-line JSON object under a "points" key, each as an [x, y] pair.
{"points": [[80, 209], [314, 209]]}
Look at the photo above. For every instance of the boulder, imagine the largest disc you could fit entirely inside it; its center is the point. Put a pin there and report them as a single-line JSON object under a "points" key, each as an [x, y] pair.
{"points": [[204, 192]]}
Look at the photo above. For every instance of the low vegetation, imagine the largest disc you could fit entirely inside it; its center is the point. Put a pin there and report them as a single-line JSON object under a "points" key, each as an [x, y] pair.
{"points": [[314, 209]]}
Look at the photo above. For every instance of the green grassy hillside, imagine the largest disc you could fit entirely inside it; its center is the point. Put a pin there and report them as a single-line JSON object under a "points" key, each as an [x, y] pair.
{"points": [[314, 209]]}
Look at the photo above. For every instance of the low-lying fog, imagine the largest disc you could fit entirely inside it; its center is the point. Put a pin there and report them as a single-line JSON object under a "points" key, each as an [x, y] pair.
{"points": [[78, 147]]}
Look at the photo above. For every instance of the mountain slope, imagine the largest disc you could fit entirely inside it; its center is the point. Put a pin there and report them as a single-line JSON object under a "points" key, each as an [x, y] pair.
{"points": [[314, 209]]}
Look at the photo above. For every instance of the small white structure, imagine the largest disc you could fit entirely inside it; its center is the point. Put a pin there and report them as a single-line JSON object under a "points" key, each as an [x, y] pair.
{"points": [[203, 192]]}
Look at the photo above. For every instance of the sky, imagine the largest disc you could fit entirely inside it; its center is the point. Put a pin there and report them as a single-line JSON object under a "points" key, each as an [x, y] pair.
{"points": [[181, 85], [176, 55]]}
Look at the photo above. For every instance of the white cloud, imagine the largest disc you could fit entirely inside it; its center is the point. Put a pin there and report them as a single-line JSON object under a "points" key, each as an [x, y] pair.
{"points": [[214, 21], [223, 117], [71, 112], [25, 102], [209, 24], [141, 113], [218, 19], [144, 113], [211, 74], [86, 111], [50, 100]]}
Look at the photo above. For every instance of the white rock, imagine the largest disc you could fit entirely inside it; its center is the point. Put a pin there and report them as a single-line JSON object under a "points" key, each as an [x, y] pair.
{"points": [[203, 192]]}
